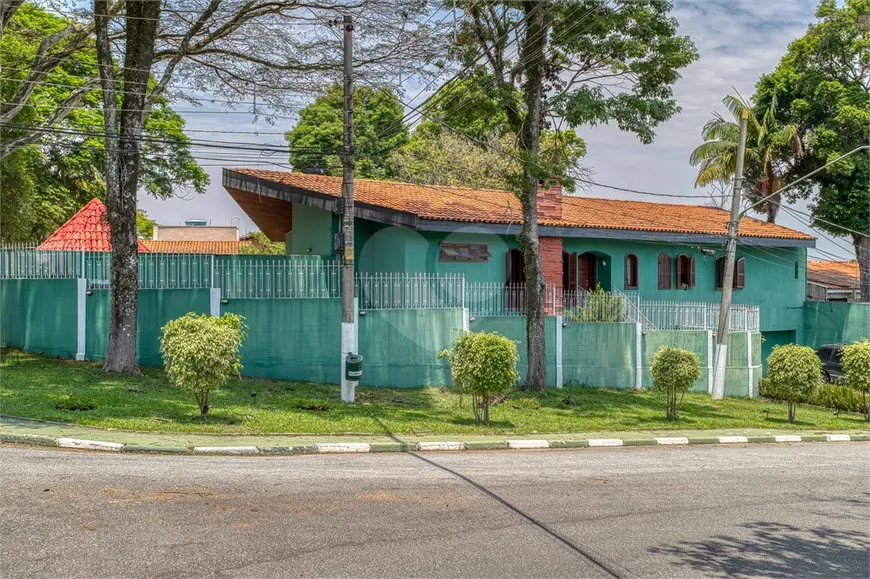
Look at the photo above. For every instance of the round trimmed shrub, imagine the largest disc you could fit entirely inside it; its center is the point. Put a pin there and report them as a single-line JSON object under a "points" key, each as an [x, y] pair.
{"points": [[483, 365], [793, 374], [200, 353], [674, 370], [856, 365]]}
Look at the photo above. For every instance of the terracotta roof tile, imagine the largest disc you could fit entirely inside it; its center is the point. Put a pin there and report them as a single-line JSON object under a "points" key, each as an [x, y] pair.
{"points": [[208, 247], [496, 206], [834, 274], [88, 229]]}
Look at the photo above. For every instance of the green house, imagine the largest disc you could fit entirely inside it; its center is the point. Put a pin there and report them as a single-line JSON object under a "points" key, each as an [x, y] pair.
{"points": [[658, 252]]}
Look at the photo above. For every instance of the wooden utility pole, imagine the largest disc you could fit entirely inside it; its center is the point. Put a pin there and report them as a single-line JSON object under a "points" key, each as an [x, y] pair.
{"points": [[348, 321], [728, 275]]}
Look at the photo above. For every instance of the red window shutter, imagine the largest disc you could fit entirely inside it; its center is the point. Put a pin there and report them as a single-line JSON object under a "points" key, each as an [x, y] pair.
{"points": [[583, 272], [664, 271], [692, 272], [740, 273], [680, 260], [572, 271]]}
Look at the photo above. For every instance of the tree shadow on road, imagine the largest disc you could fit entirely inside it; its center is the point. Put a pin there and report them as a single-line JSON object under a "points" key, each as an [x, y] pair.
{"points": [[776, 550]]}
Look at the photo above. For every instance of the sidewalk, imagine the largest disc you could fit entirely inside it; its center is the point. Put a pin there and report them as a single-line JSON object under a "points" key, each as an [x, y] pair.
{"points": [[18, 430]]}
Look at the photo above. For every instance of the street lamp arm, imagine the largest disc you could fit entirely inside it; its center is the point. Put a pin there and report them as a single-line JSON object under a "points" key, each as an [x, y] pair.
{"points": [[807, 176]]}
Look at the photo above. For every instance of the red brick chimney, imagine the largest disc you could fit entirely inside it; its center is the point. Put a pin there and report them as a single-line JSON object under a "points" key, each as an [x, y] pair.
{"points": [[550, 200]]}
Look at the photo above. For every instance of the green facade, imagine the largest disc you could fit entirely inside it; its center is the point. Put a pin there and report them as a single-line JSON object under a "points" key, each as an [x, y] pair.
{"points": [[835, 322], [599, 354], [39, 315], [514, 327]]}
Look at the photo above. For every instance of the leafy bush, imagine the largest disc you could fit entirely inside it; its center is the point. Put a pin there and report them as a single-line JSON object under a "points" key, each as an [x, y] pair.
{"points": [[856, 366], [599, 306], [674, 370], [793, 375], [200, 353], [828, 395], [483, 365]]}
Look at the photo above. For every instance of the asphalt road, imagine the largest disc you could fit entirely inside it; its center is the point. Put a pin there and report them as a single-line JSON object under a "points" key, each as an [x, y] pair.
{"points": [[753, 510]]}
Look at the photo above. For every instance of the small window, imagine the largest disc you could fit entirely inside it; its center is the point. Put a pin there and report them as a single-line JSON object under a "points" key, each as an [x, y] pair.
{"points": [[738, 281], [473, 252], [630, 271], [664, 271], [685, 271]]}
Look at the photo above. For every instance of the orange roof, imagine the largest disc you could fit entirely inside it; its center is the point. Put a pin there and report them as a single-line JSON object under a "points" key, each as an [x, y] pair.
{"points": [[88, 229], [496, 206], [209, 247], [834, 274]]}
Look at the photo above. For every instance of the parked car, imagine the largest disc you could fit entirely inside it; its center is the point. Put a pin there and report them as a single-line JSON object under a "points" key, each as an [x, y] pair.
{"points": [[832, 366]]}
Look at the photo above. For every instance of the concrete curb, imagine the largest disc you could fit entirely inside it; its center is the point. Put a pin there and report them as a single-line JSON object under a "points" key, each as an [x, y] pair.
{"points": [[429, 446]]}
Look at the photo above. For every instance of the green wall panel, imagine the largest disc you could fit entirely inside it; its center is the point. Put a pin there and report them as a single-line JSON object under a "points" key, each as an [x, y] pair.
{"points": [[599, 354], [312, 232], [835, 322], [291, 339], [692, 340], [39, 315], [400, 347], [514, 327], [156, 307]]}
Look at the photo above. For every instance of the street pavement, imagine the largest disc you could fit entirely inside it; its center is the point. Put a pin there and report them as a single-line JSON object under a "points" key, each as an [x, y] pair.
{"points": [[785, 510]]}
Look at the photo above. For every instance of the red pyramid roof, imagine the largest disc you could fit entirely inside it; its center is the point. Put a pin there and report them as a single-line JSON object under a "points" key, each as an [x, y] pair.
{"points": [[88, 229]]}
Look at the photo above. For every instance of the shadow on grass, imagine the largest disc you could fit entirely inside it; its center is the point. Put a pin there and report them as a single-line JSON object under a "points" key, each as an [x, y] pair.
{"points": [[774, 550]]}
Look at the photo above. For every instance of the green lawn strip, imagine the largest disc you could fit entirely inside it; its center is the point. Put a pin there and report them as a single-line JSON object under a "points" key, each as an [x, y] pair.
{"points": [[57, 390]]}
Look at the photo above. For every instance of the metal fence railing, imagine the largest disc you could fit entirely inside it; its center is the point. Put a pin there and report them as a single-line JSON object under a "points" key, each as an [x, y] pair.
{"points": [[276, 277], [156, 270], [21, 262], [387, 291], [664, 315]]}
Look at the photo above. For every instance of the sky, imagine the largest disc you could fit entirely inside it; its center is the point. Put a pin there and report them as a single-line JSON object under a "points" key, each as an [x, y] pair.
{"points": [[738, 41]]}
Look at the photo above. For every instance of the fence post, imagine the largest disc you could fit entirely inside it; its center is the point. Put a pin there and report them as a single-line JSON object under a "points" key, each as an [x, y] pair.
{"points": [[749, 364], [710, 361], [559, 352], [81, 317], [638, 354]]}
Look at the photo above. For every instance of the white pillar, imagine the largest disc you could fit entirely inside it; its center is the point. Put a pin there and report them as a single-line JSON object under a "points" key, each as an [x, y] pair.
{"points": [[710, 361], [638, 356], [214, 301], [349, 345], [466, 320], [749, 364], [559, 350], [81, 317]]}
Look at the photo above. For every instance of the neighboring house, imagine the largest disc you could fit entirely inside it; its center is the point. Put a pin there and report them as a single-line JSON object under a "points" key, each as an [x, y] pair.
{"points": [[88, 230], [199, 231], [659, 251], [833, 281]]}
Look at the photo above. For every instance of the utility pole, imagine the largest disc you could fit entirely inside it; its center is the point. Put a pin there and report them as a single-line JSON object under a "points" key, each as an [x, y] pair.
{"points": [[728, 274], [348, 321]]}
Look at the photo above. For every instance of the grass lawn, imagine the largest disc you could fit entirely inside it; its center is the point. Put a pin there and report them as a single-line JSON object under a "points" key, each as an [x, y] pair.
{"points": [[33, 386]]}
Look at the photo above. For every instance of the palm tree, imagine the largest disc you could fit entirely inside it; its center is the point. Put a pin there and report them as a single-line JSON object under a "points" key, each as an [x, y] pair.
{"points": [[767, 143]]}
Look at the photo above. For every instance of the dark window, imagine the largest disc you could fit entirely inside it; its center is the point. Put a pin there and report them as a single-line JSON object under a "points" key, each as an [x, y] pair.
{"points": [[630, 271], [514, 267], [569, 271], [664, 271], [474, 252], [738, 281], [587, 271], [685, 271]]}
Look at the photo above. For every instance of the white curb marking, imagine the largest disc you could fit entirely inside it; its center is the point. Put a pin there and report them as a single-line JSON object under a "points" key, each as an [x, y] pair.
{"points": [[89, 444], [732, 439], [337, 447], [673, 440], [605, 442], [787, 438], [526, 444], [838, 437], [226, 450], [440, 446]]}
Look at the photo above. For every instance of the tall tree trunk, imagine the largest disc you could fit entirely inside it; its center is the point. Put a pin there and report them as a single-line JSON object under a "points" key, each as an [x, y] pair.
{"points": [[123, 176], [862, 250], [533, 54]]}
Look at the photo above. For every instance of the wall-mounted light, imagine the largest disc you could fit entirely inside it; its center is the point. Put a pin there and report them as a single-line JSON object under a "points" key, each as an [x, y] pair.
{"points": [[225, 301], [89, 293], [564, 324], [471, 319], [604, 263], [362, 313]]}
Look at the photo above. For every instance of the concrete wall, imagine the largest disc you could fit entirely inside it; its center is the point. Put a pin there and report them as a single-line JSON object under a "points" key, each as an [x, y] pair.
{"points": [[514, 327], [599, 355], [39, 315], [835, 322]]}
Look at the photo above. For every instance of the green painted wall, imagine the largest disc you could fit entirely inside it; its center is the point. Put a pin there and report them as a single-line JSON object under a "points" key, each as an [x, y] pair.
{"points": [[514, 327], [400, 347], [312, 233], [692, 340], [156, 307], [39, 315], [771, 339], [835, 322], [292, 339], [599, 354]]}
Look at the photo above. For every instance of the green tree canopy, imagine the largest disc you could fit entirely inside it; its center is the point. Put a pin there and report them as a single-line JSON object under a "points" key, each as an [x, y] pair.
{"points": [[45, 182], [822, 85], [317, 139]]}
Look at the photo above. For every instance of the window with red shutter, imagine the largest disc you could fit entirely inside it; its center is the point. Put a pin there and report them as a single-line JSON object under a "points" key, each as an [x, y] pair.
{"points": [[740, 273], [685, 271], [664, 271], [630, 271]]}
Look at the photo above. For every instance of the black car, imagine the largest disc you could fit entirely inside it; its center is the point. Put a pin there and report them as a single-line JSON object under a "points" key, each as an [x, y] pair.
{"points": [[832, 366]]}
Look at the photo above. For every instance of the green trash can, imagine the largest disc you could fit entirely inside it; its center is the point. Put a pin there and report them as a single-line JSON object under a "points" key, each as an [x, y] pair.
{"points": [[353, 367]]}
